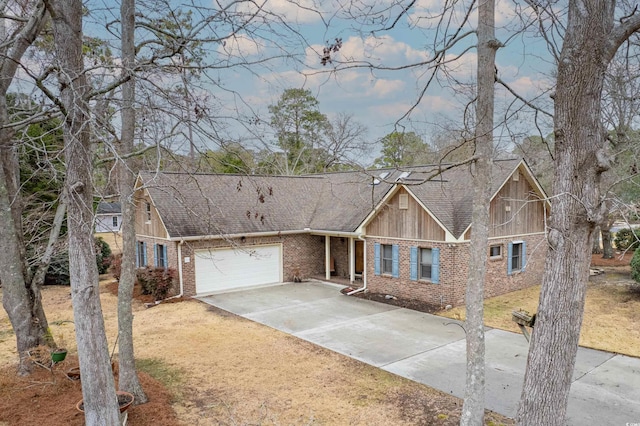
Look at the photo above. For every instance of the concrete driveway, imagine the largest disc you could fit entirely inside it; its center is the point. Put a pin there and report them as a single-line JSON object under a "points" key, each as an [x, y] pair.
{"points": [[431, 349]]}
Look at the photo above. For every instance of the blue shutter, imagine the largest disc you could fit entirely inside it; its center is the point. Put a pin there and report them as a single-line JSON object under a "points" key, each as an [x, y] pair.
{"points": [[395, 257], [509, 258], [376, 258], [164, 256], [155, 255], [435, 265], [144, 254], [524, 255], [137, 254], [413, 262]]}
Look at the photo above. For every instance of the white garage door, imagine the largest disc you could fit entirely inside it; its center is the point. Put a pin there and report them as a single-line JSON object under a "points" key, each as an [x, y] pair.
{"points": [[228, 269]]}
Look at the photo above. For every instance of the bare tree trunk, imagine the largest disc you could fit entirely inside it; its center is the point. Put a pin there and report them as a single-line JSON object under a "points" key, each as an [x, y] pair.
{"points": [[16, 298], [590, 42], [128, 378], [38, 277], [595, 245], [474, 395], [98, 387], [605, 231], [21, 299], [607, 246]]}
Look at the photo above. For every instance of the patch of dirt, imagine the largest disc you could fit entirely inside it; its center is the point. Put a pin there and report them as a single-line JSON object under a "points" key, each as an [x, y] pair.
{"points": [[223, 369], [416, 305], [112, 287], [49, 397], [619, 260]]}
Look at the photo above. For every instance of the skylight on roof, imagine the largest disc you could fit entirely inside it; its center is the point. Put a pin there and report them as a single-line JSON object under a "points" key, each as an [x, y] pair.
{"points": [[402, 176], [382, 175]]}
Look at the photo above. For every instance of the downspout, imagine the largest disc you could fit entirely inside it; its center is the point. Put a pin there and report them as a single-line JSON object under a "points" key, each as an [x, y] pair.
{"points": [[179, 275], [364, 272]]}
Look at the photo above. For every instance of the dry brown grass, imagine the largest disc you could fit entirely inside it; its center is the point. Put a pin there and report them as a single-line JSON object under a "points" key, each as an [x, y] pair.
{"points": [[611, 317], [114, 240], [223, 369]]}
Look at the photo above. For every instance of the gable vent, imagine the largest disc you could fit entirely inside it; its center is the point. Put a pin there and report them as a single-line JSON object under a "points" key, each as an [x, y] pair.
{"points": [[403, 201]]}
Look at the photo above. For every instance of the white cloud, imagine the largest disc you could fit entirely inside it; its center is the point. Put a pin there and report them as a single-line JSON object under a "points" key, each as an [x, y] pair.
{"points": [[240, 46], [382, 88], [462, 67], [380, 50], [299, 11], [427, 14], [528, 86]]}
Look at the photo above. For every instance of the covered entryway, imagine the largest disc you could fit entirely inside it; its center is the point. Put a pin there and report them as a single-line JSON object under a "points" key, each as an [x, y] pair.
{"points": [[219, 270]]}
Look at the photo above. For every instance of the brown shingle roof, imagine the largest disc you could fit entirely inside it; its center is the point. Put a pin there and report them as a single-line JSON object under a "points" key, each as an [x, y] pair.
{"points": [[221, 204], [449, 197]]}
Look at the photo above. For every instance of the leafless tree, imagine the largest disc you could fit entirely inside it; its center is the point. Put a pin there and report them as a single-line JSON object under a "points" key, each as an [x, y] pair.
{"points": [[592, 36], [98, 386], [473, 406], [127, 375], [19, 27]]}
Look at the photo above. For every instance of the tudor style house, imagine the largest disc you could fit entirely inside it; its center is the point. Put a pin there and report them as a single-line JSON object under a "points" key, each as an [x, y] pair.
{"points": [[401, 232]]}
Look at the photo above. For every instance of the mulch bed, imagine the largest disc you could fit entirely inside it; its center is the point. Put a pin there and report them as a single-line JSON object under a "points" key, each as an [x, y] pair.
{"points": [[619, 260], [416, 305], [49, 397], [147, 299]]}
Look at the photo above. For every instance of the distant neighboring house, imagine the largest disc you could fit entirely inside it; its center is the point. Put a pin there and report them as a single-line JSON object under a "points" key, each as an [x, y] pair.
{"points": [[401, 232], [108, 217]]}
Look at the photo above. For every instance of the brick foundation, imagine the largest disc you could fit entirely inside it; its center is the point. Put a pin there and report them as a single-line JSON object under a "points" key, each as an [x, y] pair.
{"points": [[454, 261]]}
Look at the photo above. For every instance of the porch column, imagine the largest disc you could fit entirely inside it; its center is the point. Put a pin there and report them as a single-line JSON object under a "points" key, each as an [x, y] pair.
{"points": [[327, 257], [352, 259]]}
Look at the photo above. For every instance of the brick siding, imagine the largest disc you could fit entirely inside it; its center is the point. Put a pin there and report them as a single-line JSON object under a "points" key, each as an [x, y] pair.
{"points": [[454, 261], [172, 256], [303, 255]]}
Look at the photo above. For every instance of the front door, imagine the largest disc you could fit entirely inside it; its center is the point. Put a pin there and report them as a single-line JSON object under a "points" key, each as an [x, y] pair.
{"points": [[359, 256]]}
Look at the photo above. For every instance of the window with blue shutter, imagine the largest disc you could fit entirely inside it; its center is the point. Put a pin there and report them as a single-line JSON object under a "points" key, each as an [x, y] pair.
{"points": [[155, 255], [141, 254], [376, 260], [413, 263], [516, 257], [164, 256], [435, 265], [395, 259], [160, 255], [144, 254]]}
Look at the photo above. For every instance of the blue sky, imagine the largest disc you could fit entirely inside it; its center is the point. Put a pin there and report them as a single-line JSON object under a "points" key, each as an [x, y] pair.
{"points": [[377, 99]]}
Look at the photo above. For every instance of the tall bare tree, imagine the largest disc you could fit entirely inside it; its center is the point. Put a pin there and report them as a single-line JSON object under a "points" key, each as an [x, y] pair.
{"points": [[473, 406], [128, 377], [591, 39], [98, 386], [21, 295]]}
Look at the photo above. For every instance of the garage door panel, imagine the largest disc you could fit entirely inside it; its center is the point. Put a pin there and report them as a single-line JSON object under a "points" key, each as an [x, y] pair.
{"points": [[228, 269]]}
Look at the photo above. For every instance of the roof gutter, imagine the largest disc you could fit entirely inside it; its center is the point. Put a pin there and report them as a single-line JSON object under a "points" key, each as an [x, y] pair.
{"points": [[334, 233], [262, 234]]}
